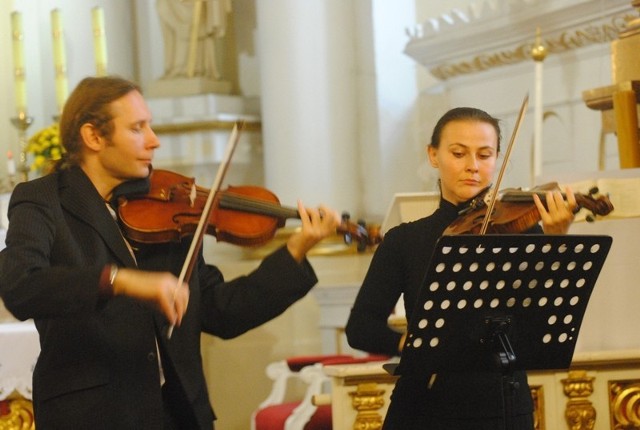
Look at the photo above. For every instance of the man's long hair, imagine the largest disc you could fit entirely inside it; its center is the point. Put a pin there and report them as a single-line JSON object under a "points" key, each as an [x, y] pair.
{"points": [[89, 103]]}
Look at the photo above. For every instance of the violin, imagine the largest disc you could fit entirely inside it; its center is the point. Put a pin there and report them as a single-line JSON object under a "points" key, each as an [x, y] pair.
{"points": [[242, 215], [515, 211]]}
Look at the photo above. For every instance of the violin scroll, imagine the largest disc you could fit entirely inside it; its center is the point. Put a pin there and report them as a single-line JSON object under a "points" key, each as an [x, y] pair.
{"points": [[598, 205], [364, 235]]}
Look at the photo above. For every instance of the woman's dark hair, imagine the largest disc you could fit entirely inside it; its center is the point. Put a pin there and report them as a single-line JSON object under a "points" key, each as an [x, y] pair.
{"points": [[464, 114], [89, 103]]}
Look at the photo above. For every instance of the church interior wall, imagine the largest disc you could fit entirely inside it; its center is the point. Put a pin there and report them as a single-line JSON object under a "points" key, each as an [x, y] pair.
{"points": [[39, 68], [393, 126]]}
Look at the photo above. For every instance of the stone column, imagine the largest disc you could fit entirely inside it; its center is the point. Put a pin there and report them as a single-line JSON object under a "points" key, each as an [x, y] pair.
{"points": [[306, 51]]}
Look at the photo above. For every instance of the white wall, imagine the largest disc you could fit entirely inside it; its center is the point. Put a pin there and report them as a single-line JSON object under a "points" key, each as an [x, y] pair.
{"points": [[76, 16], [571, 131]]}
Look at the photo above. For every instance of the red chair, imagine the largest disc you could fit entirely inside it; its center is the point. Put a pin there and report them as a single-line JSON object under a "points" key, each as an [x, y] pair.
{"points": [[274, 413]]}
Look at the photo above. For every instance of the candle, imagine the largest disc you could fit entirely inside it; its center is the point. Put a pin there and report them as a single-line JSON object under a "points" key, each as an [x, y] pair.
{"points": [[538, 113], [18, 64], [99, 40], [59, 58], [539, 53], [11, 164]]}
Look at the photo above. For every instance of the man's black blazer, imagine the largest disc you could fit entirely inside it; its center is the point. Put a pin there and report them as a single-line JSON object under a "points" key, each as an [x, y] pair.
{"points": [[98, 366]]}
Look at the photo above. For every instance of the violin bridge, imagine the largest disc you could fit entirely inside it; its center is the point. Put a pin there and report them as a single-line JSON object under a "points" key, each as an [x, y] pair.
{"points": [[488, 197], [482, 199], [192, 194]]}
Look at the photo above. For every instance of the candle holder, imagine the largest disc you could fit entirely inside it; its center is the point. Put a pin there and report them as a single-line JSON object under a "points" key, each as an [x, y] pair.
{"points": [[539, 50], [22, 122]]}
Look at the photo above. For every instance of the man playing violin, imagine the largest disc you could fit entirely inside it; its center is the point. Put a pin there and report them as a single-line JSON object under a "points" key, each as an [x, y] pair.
{"points": [[464, 148], [102, 306]]}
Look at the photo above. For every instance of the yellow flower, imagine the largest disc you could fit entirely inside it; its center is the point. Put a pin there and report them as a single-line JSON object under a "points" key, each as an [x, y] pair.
{"points": [[45, 147]]}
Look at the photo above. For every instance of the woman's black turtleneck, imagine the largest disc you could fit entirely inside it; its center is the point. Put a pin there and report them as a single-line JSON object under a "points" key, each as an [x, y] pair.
{"points": [[398, 266]]}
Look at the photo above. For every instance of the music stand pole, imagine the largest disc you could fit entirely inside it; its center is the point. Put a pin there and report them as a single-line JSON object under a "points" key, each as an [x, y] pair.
{"points": [[505, 359]]}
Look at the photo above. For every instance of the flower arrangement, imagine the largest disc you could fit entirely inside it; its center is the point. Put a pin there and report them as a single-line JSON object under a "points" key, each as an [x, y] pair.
{"points": [[46, 148]]}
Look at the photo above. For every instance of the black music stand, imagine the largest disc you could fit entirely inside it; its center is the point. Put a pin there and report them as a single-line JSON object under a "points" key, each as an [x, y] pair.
{"points": [[502, 303]]}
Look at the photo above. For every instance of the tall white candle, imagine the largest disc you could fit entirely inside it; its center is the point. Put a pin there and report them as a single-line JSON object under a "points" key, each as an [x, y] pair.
{"points": [[99, 40], [59, 58], [18, 64], [11, 164], [539, 112], [539, 53]]}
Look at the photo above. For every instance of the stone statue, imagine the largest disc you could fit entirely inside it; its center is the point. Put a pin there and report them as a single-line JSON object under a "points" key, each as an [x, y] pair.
{"points": [[190, 30]]}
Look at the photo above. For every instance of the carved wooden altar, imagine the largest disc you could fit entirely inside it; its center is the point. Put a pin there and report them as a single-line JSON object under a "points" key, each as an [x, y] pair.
{"points": [[600, 391]]}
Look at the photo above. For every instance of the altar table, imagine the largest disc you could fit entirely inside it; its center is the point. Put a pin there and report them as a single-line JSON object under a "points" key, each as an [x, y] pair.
{"points": [[19, 350]]}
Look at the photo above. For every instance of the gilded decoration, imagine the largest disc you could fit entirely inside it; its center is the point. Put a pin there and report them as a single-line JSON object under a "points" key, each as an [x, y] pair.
{"points": [[563, 42], [367, 400], [624, 404], [537, 395], [16, 415], [580, 414]]}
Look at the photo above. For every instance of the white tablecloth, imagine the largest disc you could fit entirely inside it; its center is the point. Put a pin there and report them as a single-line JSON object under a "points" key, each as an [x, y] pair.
{"points": [[19, 349]]}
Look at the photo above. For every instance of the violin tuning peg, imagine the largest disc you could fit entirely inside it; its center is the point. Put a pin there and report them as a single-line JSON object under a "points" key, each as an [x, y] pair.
{"points": [[346, 216], [348, 239], [590, 218], [593, 191]]}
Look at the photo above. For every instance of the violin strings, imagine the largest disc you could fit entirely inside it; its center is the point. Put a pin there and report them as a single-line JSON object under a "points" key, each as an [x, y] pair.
{"points": [[525, 196], [246, 204], [522, 196]]}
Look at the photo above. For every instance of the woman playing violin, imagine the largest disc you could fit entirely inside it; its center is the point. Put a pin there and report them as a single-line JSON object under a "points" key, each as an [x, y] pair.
{"points": [[464, 148], [101, 305]]}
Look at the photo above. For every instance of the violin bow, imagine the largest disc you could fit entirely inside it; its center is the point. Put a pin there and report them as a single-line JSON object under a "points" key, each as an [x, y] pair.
{"points": [[507, 154], [196, 242]]}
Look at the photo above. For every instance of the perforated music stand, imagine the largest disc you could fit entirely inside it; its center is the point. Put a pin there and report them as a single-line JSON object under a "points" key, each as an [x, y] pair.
{"points": [[502, 303]]}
